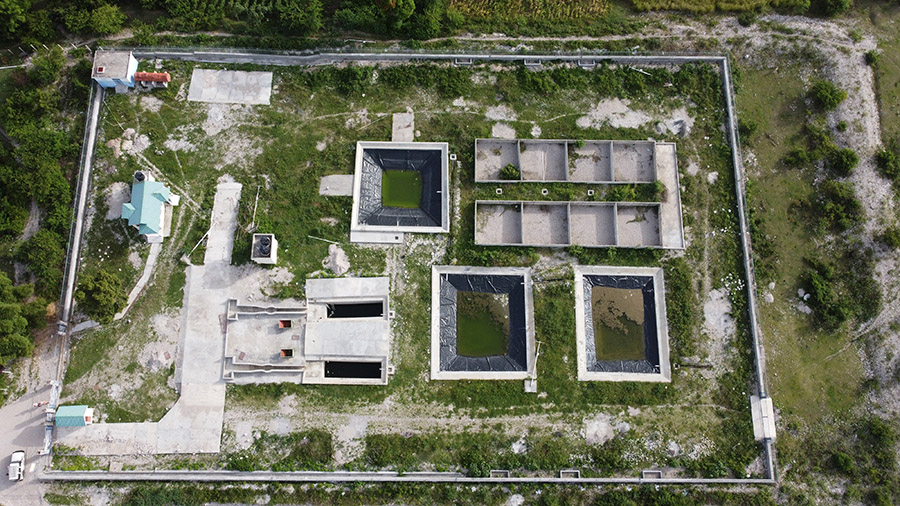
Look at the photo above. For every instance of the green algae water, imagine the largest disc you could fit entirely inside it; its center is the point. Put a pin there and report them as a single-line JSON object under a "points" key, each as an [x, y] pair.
{"points": [[618, 316], [401, 188], [482, 324]]}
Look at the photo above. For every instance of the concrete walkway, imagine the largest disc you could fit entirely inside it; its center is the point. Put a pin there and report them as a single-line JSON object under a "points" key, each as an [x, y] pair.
{"points": [[194, 424], [155, 248]]}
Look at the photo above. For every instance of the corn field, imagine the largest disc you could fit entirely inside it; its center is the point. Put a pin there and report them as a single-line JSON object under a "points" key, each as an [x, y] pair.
{"points": [[545, 9]]}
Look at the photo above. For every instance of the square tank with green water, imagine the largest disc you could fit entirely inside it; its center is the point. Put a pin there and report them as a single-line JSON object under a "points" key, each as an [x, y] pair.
{"points": [[620, 324]]}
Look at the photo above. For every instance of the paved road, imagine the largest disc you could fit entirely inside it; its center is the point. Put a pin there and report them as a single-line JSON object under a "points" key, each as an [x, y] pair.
{"points": [[23, 429]]}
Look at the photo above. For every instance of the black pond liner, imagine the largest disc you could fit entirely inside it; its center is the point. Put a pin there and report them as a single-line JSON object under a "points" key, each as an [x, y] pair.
{"points": [[514, 285], [650, 365], [375, 161]]}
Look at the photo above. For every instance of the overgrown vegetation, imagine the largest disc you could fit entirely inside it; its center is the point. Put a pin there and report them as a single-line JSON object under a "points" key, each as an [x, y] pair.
{"points": [[38, 164]]}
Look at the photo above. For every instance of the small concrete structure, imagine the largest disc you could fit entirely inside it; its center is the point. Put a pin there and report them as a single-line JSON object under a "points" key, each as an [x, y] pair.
{"points": [[150, 209], [595, 161], [114, 69], [230, 87], [649, 280], [264, 249], [763, 414], [341, 335], [372, 220], [74, 416], [447, 363], [563, 224]]}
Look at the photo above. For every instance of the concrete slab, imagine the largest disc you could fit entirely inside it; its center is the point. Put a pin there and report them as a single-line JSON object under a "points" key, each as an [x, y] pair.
{"points": [[362, 236], [404, 127], [670, 219], [338, 185], [230, 87]]}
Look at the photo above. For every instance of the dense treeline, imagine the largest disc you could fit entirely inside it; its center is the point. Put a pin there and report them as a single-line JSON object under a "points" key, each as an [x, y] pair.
{"points": [[37, 163], [36, 23]]}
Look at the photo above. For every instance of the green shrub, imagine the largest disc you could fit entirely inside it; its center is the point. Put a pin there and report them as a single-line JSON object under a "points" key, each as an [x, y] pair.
{"points": [[826, 95], [747, 127], [842, 126], [872, 56], [891, 237], [835, 7], [841, 161], [843, 463], [797, 157], [510, 173], [888, 164], [830, 307], [838, 205]]}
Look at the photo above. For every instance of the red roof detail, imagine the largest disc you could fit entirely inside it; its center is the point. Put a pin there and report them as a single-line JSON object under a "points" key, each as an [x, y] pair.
{"points": [[156, 77]]}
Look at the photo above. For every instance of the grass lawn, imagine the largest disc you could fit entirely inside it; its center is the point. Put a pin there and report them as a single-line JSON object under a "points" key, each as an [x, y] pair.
{"points": [[401, 188], [801, 358]]}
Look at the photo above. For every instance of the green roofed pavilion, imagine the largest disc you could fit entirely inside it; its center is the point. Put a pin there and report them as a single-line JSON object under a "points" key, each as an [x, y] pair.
{"points": [[147, 210]]}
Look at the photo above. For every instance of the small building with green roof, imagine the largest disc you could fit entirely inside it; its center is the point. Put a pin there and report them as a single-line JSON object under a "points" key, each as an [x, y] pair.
{"points": [[74, 416], [150, 209]]}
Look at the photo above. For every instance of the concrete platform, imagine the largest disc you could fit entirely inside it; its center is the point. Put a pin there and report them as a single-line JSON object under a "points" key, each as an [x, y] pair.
{"points": [[230, 87], [403, 128], [338, 185]]}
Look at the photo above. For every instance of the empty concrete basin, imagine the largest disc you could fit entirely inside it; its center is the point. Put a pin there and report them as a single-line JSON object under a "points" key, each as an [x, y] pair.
{"points": [[545, 224], [491, 155], [590, 162], [638, 225], [498, 223], [593, 224], [633, 162], [543, 161]]}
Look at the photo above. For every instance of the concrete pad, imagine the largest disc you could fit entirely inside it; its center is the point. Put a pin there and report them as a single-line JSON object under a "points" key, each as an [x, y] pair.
{"points": [[637, 225], [404, 127], [498, 223], [545, 224], [230, 87], [194, 424], [338, 185], [223, 224], [670, 220], [363, 236]]}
